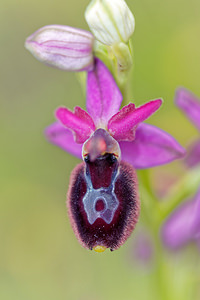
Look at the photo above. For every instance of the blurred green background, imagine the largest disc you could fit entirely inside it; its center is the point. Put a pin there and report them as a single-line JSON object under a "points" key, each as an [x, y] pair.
{"points": [[40, 257]]}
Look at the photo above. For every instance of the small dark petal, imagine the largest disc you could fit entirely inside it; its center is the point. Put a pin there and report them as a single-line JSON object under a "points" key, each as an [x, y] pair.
{"points": [[110, 226]]}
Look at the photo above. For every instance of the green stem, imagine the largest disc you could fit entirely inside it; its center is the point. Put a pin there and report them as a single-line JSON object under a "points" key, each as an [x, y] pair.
{"points": [[153, 213]]}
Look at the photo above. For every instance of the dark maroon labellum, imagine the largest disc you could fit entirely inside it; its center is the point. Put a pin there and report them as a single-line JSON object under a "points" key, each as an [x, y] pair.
{"points": [[103, 202]]}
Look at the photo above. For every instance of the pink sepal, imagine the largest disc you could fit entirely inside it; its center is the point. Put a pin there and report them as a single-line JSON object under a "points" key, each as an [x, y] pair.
{"points": [[58, 135], [151, 147], [78, 121]]}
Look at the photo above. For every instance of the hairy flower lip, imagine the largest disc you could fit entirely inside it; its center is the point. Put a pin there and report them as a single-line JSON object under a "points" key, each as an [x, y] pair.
{"points": [[63, 47], [114, 234]]}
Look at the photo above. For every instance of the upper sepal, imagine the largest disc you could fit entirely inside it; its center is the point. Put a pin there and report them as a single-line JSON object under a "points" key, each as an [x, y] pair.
{"points": [[103, 95]]}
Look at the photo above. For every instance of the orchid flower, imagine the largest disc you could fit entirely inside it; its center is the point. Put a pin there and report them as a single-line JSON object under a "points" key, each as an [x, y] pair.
{"points": [[183, 226], [112, 143], [190, 105]]}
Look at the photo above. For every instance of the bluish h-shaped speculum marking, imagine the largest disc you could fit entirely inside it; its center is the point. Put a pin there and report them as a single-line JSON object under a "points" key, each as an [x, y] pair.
{"points": [[105, 194]]}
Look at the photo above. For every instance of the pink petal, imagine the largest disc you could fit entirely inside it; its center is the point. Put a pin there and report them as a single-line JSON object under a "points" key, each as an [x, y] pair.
{"points": [[189, 104], [122, 125], [103, 95], [78, 121], [193, 155], [58, 135], [63, 47], [151, 147]]}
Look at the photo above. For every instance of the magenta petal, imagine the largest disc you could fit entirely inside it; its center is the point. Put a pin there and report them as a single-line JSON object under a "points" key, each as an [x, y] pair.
{"points": [[122, 125], [151, 147], [58, 135], [189, 104], [118, 125], [193, 155], [79, 122], [178, 230], [103, 95]]}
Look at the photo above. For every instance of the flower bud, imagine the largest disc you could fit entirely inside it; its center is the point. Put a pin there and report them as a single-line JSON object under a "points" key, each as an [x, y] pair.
{"points": [[111, 21], [63, 47]]}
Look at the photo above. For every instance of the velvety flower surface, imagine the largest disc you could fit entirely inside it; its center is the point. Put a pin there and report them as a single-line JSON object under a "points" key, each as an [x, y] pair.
{"points": [[190, 105], [103, 200], [63, 47], [183, 226]]}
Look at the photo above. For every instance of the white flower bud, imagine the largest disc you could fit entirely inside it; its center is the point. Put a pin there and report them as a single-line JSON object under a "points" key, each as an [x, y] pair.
{"points": [[111, 21]]}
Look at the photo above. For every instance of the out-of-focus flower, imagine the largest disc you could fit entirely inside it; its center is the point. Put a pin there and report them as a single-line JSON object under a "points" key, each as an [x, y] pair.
{"points": [[111, 22], [183, 226], [63, 47], [190, 105], [112, 143]]}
